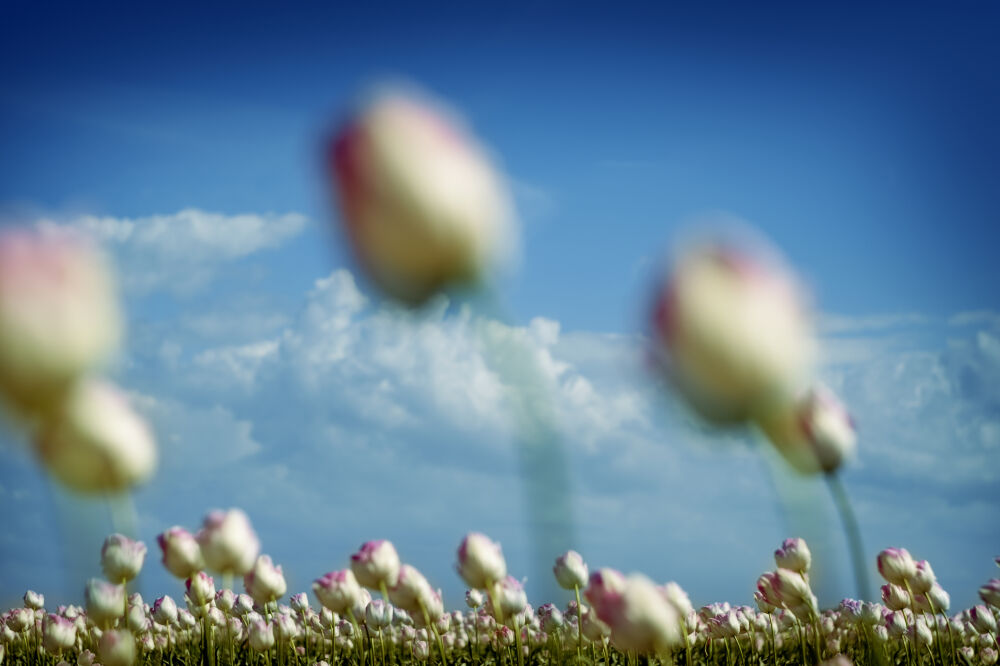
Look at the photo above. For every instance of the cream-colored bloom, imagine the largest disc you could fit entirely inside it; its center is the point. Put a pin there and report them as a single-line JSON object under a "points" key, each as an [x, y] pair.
{"points": [[422, 203], [95, 442]]}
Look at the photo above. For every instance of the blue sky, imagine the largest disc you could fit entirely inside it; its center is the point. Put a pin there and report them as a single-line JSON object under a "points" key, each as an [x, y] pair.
{"points": [[862, 141]]}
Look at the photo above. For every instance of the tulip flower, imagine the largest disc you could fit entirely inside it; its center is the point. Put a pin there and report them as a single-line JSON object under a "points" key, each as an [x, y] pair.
{"points": [[990, 592], [228, 542], [896, 565], [422, 205], [58, 633], [473, 598], [480, 561], [265, 582], [261, 636], [200, 589], [570, 570], [116, 648], [338, 590], [181, 552], [923, 578], [34, 600], [105, 602], [640, 617], [59, 315], [732, 330], [165, 610], [411, 590], [793, 555], [94, 442], [376, 564], [378, 614], [122, 558], [814, 433], [512, 598]]}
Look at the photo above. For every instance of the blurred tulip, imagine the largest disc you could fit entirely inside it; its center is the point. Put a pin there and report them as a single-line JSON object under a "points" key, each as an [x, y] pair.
{"points": [[480, 561], [732, 330], [200, 589], [116, 648], [473, 598], [378, 614], [410, 590], [338, 590], [814, 433], [94, 442], [228, 542], [181, 552], [571, 571], [165, 610], [896, 565], [421, 203], [990, 593], [376, 564], [34, 600], [58, 633], [793, 555], [640, 617], [265, 582], [122, 558], [59, 315], [105, 602], [512, 598], [261, 636]]}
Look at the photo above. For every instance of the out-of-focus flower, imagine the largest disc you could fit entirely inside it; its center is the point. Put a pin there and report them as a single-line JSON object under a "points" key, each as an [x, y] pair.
{"points": [[990, 593], [34, 600], [265, 582], [165, 610], [338, 590], [94, 442], [422, 205], [375, 564], [896, 565], [86, 658], [299, 603], [122, 558], [411, 589], [116, 648], [200, 589], [59, 315], [678, 598], [261, 636], [378, 614], [105, 602], [480, 561], [604, 586], [58, 633], [640, 617], [988, 656], [285, 628], [923, 578], [895, 597], [20, 619], [181, 552], [814, 433], [228, 542], [421, 650], [732, 330], [474, 598], [982, 619], [243, 605], [794, 555], [512, 598], [225, 600], [571, 571]]}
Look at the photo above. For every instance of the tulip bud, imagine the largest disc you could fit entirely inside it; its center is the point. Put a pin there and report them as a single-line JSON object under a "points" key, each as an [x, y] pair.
{"points": [[422, 205], [923, 578], [896, 565], [640, 617], [594, 629], [378, 614], [116, 648], [474, 598], [228, 542], [480, 561], [58, 633], [604, 587], [285, 628], [571, 571], [410, 589], [181, 552], [165, 610], [988, 656], [990, 593], [512, 598], [225, 600], [376, 563], [137, 620], [86, 658], [338, 590], [122, 558], [34, 600], [105, 602], [938, 597], [732, 331], [265, 582], [261, 636], [200, 589], [421, 650], [895, 597], [59, 315], [794, 555], [94, 442], [982, 619], [243, 605]]}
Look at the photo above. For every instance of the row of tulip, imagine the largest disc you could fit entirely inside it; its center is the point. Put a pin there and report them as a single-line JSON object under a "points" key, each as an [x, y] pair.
{"points": [[614, 618]]}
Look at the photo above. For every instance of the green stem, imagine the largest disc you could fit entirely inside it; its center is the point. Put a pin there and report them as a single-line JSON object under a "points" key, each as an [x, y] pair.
{"points": [[851, 531], [579, 621]]}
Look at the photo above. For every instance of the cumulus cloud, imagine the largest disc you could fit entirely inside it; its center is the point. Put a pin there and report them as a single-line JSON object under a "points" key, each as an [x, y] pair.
{"points": [[182, 251]]}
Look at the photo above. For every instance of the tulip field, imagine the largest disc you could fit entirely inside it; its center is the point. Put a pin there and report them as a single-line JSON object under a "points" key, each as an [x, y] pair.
{"points": [[379, 611]]}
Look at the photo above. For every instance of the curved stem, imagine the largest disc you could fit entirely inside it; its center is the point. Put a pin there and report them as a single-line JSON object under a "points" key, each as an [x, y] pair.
{"points": [[579, 621], [851, 531]]}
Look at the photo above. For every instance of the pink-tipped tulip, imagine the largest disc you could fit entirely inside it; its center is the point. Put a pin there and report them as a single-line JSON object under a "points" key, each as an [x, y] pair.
{"points": [[923, 578], [200, 589], [641, 619], [181, 552], [165, 610], [94, 442], [731, 329], [116, 648], [421, 204], [896, 565], [122, 558], [105, 602], [58, 633], [228, 542], [261, 636], [480, 561], [411, 590], [376, 564], [571, 571], [990, 593], [338, 591], [34, 600], [794, 555], [265, 582], [814, 433], [605, 586], [59, 315]]}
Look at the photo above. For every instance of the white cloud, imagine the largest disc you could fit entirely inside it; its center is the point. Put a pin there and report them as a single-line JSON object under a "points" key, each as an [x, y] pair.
{"points": [[181, 252]]}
